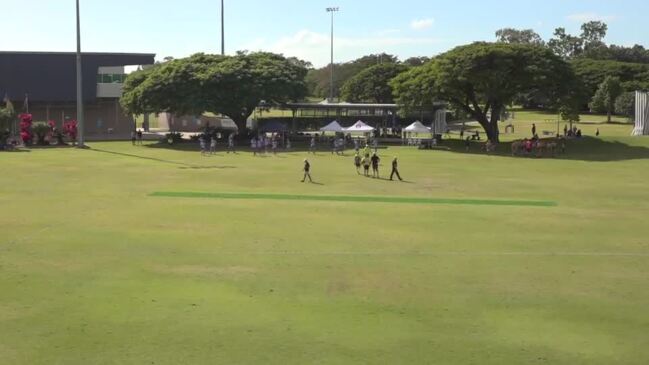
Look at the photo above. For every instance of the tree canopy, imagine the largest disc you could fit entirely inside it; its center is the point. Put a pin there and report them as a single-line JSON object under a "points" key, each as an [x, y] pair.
{"points": [[483, 78], [591, 73], [229, 85], [372, 84], [320, 79], [524, 36], [604, 100]]}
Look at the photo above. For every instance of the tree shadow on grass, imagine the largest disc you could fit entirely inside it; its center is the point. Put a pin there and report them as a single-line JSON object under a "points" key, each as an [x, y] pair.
{"points": [[584, 149], [15, 150], [613, 122], [181, 164]]}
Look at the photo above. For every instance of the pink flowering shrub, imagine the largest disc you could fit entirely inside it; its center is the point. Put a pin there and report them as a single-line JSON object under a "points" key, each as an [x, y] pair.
{"points": [[26, 133], [70, 128]]}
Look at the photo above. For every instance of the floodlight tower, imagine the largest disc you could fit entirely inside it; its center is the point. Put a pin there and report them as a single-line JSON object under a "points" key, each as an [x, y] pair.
{"points": [[332, 10], [80, 119], [222, 28]]}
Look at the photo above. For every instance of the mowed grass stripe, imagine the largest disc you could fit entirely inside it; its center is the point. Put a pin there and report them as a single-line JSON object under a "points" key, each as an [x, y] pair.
{"points": [[355, 199]]}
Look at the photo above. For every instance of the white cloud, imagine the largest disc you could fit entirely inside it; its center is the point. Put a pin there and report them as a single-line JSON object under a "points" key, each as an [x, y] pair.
{"points": [[587, 17], [420, 24], [314, 47]]}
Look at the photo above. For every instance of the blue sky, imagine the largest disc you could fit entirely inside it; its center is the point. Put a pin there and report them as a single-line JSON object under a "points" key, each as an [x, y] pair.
{"points": [[301, 27]]}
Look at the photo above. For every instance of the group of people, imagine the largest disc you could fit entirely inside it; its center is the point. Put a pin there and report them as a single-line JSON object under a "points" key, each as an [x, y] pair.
{"points": [[136, 137], [339, 144], [211, 148], [263, 143], [573, 132], [374, 162], [365, 163]]}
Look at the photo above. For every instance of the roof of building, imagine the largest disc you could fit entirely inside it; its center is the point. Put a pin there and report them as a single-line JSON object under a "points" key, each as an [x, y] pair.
{"points": [[51, 76], [349, 105]]}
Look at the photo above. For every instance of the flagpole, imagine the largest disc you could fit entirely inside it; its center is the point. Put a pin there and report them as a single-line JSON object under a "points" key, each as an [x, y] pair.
{"points": [[80, 119], [222, 28]]}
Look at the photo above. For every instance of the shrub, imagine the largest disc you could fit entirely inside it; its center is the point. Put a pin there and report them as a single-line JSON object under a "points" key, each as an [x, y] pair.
{"points": [[41, 130], [625, 104], [26, 134], [173, 137]]}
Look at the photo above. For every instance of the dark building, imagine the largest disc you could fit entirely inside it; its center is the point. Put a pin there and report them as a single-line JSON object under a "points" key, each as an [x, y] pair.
{"points": [[48, 81]]}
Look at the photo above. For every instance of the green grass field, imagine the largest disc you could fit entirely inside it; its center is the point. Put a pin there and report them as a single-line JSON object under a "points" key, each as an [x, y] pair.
{"points": [[95, 268]]}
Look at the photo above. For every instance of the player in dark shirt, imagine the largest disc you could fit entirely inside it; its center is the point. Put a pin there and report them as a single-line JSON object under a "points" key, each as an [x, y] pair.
{"points": [[395, 170], [307, 170], [375, 165]]}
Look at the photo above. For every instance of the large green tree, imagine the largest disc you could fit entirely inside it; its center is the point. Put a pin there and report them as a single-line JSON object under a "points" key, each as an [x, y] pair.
{"points": [[372, 84], [604, 100], [521, 36], [625, 104], [229, 85], [591, 73], [320, 79], [483, 78], [565, 45]]}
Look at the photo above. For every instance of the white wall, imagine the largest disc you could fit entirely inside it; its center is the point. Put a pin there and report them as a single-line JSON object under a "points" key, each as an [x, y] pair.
{"points": [[109, 90]]}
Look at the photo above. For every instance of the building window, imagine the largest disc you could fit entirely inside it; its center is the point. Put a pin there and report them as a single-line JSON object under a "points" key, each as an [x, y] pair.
{"points": [[111, 78]]}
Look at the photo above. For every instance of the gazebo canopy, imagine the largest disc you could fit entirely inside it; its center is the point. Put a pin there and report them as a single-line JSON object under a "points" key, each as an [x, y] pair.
{"points": [[226, 124], [417, 127], [359, 127], [332, 127]]}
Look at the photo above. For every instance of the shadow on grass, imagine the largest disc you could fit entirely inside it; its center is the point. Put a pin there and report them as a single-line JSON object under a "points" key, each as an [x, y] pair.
{"points": [[181, 164], [15, 150], [613, 122], [584, 149]]}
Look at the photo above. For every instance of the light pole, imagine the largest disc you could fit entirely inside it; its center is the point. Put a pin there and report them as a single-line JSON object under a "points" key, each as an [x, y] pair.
{"points": [[222, 28], [331, 86], [80, 121]]}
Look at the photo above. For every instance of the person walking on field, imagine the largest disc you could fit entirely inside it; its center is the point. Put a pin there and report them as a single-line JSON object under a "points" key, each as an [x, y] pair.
{"points": [[357, 163], [213, 145], [231, 143], [366, 165], [395, 169], [253, 146], [202, 143], [307, 171], [312, 145], [375, 165], [367, 150], [139, 137], [533, 129]]}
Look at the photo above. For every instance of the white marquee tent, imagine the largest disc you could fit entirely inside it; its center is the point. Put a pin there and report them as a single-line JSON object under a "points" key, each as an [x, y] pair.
{"points": [[417, 127], [333, 127], [641, 114], [359, 127]]}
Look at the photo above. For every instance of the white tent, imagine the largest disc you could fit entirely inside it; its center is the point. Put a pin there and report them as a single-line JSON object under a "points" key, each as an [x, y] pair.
{"points": [[417, 127], [641, 114], [226, 124], [332, 127], [359, 127]]}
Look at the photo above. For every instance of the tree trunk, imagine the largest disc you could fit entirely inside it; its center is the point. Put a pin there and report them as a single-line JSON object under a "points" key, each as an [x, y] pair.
{"points": [[608, 116], [241, 123], [494, 133], [490, 129]]}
